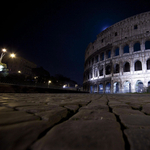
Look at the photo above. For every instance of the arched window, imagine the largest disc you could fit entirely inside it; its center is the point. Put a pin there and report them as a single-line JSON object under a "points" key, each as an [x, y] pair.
{"points": [[126, 49], [139, 86], [116, 52], [116, 68], [147, 45], [138, 66], [108, 69], [101, 88], [148, 64], [137, 47], [108, 87], [96, 59], [126, 67]]}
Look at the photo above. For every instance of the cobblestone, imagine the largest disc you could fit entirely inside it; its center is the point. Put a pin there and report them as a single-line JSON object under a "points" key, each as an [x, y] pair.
{"points": [[74, 121]]}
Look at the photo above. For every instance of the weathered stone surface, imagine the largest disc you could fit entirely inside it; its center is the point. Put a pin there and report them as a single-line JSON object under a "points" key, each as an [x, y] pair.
{"points": [[122, 111], [96, 106], [82, 135], [5, 109], [133, 121], [15, 117], [146, 108], [138, 138], [73, 108], [16, 104], [93, 115], [54, 115], [20, 136]]}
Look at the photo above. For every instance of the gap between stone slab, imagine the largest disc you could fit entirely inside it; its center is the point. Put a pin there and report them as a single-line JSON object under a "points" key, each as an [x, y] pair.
{"points": [[122, 127], [70, 114]]}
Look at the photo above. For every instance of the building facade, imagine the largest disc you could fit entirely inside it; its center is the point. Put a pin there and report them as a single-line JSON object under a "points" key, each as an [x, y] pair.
{"points": [[19, 65], [118, 61]]}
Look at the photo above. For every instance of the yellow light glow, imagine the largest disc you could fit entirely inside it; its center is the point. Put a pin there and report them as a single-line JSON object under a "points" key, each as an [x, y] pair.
{"points": [[19, 71], [49, 81], [12, 55], [4, 50]]}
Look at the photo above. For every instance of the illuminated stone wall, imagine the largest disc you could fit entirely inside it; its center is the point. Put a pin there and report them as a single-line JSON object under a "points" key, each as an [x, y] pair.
{"points": [[118, 61]]}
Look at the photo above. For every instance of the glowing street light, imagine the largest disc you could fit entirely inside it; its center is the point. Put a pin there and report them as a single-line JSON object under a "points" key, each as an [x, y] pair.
{"points": [[19, 71], [49, 82], [12, 55]]}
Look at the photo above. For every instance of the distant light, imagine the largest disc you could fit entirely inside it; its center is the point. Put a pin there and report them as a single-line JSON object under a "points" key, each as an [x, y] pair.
{"points": [[49, 81], [4, 50], [19, 71], [64, 86], [105, 28], [12, 55]]}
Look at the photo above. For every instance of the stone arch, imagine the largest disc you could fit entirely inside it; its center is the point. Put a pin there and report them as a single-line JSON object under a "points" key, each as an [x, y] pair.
{"points": [[126, 67], [148, 84], [116, 68], [139, 86], [148, 64], [116, 87], [126, 49], [116, 51], [108, 87], [127, 87], [91, 89], [102, 56], [136, 47], [137, 65], [108, 54], [147, 44], [101, 90], [108, 69]]}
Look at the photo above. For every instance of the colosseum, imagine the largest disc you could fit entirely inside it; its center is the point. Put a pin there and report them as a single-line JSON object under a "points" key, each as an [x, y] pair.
{"points": [[118, 61]]}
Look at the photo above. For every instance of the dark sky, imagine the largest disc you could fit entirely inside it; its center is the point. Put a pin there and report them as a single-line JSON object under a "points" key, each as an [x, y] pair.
{"points": [[54, 34]]}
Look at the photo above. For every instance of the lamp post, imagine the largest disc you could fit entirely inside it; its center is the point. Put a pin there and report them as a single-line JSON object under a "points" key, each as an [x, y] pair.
{"points": [[2, 54]]}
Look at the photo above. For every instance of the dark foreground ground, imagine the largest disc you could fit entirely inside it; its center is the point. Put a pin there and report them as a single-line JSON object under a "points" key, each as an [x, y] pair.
{"points": [[74, 122]]}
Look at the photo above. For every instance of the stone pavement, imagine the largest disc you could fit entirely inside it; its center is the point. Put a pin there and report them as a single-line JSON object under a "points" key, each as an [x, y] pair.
{"points": [[74, 122]]}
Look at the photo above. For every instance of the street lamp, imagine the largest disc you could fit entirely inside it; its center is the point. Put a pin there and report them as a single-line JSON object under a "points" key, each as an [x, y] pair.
{"points": [[2, 54], [12, 55]]}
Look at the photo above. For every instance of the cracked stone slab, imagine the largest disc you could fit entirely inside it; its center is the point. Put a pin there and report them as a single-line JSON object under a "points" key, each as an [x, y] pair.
{"points": [[82, 135], [122, 111], [146, 108], [15, 117], [5, 109], [73, 108], [135, 121], [93, 115], [139, 139], [54, 115], [96, 106], [21, 136]]}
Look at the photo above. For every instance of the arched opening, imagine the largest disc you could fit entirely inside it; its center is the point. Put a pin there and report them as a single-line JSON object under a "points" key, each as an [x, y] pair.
{"points": [[126, 67], [101, 88], [101, 72], [127, 87], [139, 86], [126, 49], [108, 54], [148, 64], [96, 59], [116, 52], [102, 56], [137, 66], [108, 87], [116, 87], [137, 47], [108, 69], [95, 88], [147, 45], [91, 89], [116, 68]]}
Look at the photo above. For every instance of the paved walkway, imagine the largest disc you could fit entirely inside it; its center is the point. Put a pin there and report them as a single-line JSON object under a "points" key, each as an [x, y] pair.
{"points": [[74, 122]]}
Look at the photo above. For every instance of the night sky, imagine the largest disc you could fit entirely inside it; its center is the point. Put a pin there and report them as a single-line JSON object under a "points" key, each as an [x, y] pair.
{"points": [[54, 34]]}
